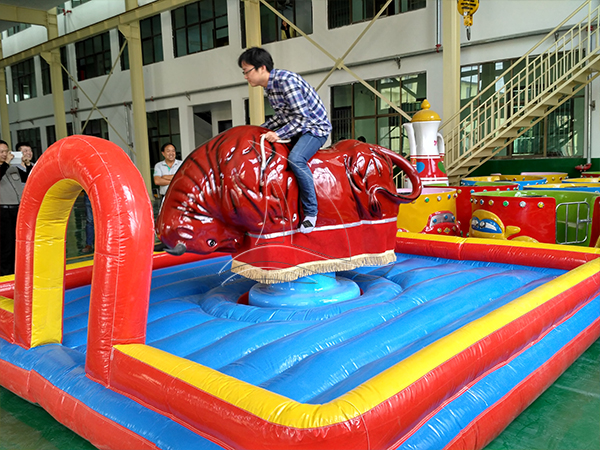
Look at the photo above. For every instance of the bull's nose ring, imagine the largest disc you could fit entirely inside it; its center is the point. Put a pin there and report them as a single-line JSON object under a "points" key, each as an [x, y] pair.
{"points": [[211, 243]]}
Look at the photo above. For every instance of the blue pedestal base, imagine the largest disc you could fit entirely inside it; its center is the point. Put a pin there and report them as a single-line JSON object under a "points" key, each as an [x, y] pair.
{"points": [[306, 292]]}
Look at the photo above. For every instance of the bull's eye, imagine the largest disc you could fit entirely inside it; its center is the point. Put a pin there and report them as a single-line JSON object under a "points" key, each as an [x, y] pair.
{"points": [[211, 242]]}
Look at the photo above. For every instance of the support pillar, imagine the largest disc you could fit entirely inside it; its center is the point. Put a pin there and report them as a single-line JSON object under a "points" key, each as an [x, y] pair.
{"points": [[256, 96], [451, 60], [58, 97], [53, 59], [131, 32], [3, 105]]}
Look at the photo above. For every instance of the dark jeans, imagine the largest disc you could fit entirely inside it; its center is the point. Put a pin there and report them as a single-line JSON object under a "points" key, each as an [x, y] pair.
{"points": [[8, 238], [305, 149]]}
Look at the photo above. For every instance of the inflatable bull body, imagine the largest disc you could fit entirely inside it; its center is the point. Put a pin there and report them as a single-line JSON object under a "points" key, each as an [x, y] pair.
{"points": [[227, 198]]}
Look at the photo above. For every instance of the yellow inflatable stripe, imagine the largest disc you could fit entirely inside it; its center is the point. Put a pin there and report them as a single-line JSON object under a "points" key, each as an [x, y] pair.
{"points": [[500, 242], [49, 262], [80, 264], [7, 304], [283, 411]]}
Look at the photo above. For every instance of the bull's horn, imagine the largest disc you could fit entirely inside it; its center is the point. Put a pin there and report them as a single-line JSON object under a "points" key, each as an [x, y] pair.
{"points": [[178, 250]]}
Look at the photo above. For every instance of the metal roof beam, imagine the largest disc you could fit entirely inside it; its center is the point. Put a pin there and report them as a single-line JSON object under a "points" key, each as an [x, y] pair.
{"points": [[139, 13], [20, 14]]}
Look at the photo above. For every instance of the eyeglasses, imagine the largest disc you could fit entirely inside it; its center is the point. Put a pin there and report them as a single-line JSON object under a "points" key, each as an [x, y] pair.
{"points": [[245, 73]]}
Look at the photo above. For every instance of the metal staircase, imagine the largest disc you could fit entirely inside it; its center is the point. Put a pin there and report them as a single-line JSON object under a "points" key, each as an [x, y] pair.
{"points": [[503, 111]]}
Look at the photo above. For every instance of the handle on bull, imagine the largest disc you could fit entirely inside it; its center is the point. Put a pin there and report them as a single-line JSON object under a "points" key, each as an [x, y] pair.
{"points": [[263, 159]]}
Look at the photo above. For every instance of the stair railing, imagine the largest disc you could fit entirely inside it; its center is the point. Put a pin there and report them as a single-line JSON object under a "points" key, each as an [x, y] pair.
{"points": [[488, 115]]}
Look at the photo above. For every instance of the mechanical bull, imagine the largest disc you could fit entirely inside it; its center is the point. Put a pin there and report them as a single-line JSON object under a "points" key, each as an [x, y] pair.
{"points": [[237, 195]]}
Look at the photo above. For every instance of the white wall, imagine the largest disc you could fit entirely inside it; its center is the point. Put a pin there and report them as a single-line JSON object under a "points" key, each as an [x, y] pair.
{"points": [[394, 46]]}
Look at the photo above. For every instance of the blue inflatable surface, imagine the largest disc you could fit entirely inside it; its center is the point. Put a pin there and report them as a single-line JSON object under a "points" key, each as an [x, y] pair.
{"points": [[311, 355]]}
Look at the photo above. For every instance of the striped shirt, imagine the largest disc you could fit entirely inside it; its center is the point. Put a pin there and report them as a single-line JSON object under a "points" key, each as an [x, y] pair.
{"points": [[298, 108]]}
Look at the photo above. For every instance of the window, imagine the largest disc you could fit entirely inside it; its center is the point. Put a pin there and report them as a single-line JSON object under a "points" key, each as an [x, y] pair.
{"points": [[163, 127], [272, 28], [151, 36], [269, 112], [200, 26], [96, 127], [346, 12], [17, 28], [75, 3], [51, 133], [65, 62], [93, 57], [6, 85], [357, 112], [560, 134], [23, 78], [46, 79], [32, 136]]}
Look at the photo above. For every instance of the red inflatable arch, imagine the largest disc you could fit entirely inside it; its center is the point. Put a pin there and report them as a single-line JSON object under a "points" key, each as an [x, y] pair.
{"points": [[123, 240]]}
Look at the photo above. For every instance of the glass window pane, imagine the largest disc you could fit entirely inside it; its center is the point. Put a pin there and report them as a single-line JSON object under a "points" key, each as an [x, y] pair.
{"points": [[163, 122], [156, 24], [146, 28], [369, 8], [147, 53], [578, 125], [158, 50], [389, 88], [206, 10], [342, 96], [178, 18], [174, 120], [151, 119], [390, 133], [208, 36], [192, 14], [469, 83], [303, 15], [97, 40], [181, 42], [33, 90], [531, 143], [268, 25], [366, 129], [414, 91], [338, 12], [194, 39], [221, 22], [357, 11], [364, 100], [221, 8]]}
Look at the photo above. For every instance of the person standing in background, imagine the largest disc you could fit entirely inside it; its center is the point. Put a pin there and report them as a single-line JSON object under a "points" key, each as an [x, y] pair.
{"points": [[26, 160], [11, 191], [165, 170]]}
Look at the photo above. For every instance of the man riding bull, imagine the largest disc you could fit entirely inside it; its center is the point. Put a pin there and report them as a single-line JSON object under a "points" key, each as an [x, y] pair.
{"points": [[299, 112]]}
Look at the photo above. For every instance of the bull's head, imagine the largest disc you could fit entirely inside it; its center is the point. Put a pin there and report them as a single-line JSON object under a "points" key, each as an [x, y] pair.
{"points": [[182, 229], [216, 196]]}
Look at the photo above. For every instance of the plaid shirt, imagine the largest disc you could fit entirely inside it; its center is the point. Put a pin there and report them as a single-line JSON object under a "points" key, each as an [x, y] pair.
{"points": [[298, 108]]}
